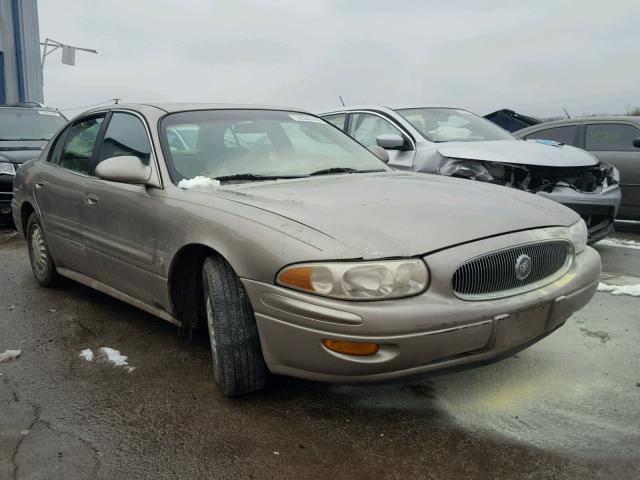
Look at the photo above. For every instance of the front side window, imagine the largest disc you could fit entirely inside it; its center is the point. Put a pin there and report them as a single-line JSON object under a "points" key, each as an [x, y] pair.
{"points": [[338, 119], [260, 143], [566, 135], [616, 137], [126, 135], [23, 124], [452, 125], [366, 127], [79, 145]]}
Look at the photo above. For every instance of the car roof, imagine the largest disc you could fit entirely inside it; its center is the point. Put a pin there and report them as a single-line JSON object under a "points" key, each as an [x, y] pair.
{"points": [[578, 120], [182, 107], [388, 108]]}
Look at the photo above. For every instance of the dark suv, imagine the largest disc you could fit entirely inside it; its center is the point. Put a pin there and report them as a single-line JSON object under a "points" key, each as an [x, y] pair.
{"points": [[25, 129]]}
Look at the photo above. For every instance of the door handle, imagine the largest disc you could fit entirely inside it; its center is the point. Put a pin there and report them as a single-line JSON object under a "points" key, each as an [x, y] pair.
{"points": [[91, 199], [39, 185]]}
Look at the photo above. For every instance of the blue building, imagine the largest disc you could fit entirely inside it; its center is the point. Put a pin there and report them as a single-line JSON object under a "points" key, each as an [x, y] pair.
{"points": [[20, 61]]}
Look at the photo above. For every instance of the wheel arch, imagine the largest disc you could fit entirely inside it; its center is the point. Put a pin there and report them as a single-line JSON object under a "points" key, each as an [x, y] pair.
{"points": [[26, 209], [185, 282]]}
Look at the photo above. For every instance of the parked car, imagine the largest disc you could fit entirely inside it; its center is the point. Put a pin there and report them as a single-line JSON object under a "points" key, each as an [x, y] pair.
{"points": [[457, 143], [614, 140], [24, 130], [301, 252], [510, 120]]}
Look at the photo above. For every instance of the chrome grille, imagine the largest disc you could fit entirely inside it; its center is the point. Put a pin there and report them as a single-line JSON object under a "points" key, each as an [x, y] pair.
{"points": [[493, 275]]}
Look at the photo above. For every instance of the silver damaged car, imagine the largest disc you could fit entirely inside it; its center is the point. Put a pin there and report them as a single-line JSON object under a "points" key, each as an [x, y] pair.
{"points": [[457, 143], [296, 248]]}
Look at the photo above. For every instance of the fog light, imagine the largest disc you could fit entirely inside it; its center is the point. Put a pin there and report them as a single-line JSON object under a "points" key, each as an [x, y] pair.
{"points": [[351, 348]]}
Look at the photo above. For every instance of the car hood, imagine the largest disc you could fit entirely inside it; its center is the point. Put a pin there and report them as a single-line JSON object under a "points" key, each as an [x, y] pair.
{"points": [[20, 152], [519, 152], [400, 214]]}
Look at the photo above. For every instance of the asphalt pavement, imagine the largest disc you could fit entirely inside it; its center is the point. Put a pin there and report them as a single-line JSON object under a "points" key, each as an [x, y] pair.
{"points": [[568, 407]]}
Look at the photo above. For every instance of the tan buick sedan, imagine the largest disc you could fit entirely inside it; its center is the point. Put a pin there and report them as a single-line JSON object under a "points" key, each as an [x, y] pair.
{"points": [[299, 249]]}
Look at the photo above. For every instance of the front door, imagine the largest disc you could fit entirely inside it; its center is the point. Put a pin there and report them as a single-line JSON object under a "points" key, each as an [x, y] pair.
{"points": [[612, 143], [122, 222], [366, 127]]}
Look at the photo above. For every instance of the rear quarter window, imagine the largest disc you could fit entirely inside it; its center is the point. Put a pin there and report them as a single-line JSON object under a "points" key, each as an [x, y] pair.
{"points": [[567, 135]]}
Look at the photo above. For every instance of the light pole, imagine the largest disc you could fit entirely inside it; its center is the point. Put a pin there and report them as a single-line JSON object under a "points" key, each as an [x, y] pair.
{"points": [[68, 51]]}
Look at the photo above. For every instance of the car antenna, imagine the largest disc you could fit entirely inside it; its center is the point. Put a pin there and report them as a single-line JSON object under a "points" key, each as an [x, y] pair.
{"points": [[341, 100], [566, 113]]}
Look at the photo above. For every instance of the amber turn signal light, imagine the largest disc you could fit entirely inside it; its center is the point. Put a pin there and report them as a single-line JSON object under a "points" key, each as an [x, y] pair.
{"points": [[351, 348]]}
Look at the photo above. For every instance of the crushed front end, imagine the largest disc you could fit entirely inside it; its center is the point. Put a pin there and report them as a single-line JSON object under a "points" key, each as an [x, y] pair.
{"points": [[592, 191]]}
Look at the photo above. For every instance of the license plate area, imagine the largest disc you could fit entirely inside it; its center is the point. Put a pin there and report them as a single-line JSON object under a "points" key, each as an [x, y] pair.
{"points": [[520, 327]]}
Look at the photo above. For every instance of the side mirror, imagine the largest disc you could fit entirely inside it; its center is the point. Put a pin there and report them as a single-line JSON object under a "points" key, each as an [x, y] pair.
{"points": [[636, 142], [380, 152], [125, 169], [390, 141]]}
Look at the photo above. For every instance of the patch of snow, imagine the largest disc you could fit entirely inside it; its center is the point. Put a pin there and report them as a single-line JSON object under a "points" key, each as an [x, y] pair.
{"points": [[198, 182], [631, 290], [87, 354], [619, 242], [9, 355], [111, 355]]}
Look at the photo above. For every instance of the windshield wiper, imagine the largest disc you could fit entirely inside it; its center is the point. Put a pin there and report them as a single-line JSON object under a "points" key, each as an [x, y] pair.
{"points": [[254, 177], [328, 171]]}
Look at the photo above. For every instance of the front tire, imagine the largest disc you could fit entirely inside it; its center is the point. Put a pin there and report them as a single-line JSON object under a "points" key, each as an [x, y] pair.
{"points": [[238, 364], [41, 262]]}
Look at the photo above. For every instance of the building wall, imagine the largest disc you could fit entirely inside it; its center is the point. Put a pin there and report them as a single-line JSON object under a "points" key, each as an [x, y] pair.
{"points": [[21, 51]]}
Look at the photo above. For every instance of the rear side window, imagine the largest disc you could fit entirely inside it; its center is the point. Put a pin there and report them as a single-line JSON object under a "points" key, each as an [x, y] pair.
{"points": [[337, 119], [567, 135], [126, 135], [611, 137], [79, 145]]}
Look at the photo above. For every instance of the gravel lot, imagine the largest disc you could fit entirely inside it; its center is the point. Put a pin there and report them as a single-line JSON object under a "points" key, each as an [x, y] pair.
{"points": [[568, 407]]}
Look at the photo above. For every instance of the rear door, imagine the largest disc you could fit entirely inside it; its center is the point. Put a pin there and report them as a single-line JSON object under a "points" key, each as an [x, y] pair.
{"points": [[124, 223], [612, 143], [58, 188]]}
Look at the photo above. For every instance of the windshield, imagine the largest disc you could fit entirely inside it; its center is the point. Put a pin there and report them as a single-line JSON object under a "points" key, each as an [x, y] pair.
{"points": [[261, 143], [29, 124], [452, 125]]}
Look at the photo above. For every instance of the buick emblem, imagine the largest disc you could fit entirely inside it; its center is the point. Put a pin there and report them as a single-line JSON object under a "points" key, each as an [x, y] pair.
{"points": [[523, 267]]}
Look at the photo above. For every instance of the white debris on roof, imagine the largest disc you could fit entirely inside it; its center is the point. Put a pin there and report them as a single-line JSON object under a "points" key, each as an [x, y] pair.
{"points": [[198, 182], [631, 290], [111, 355], [87, 354], [9, 355], [619, 242]]}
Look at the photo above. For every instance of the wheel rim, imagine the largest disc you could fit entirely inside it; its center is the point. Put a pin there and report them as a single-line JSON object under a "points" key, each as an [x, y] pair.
{"points": [[39, 253], [212, 337]]}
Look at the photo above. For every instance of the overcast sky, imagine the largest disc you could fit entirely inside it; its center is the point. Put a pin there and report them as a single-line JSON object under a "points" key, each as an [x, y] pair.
{"points": [[479, 55]]}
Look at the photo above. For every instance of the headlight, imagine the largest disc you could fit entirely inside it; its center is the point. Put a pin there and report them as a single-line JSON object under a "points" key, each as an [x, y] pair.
{"points": [[358, 280], [578, 234], [465, 169], [7, 168]]}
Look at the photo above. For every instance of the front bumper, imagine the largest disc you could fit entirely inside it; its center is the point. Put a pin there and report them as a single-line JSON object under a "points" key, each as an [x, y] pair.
{"points": [[424, 334], [598, 210]]}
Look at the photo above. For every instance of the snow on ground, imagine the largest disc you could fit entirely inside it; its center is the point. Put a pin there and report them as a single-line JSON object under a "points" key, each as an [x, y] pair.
{"points": [[87, 354], [198, 182], [109, 355], [631, 290], [619, 242], [9, 355]]}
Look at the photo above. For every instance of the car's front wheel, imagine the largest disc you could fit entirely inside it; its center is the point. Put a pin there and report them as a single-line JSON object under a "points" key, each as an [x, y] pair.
{"points": [[238, 365], [41, 262]]}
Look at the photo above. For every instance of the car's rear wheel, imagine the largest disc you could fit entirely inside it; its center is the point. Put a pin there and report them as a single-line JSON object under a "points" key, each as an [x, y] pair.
{"points": [[41, 263], [238, 364]]}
